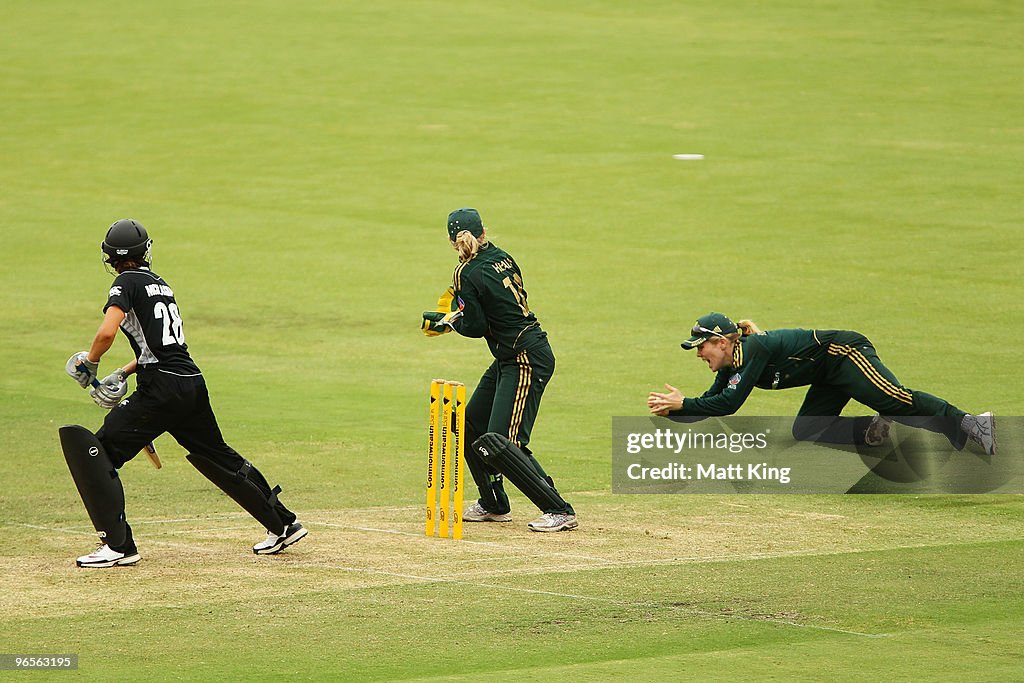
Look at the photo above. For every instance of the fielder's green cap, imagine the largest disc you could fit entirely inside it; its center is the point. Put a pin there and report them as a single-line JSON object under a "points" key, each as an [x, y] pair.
{"points": [[708, 326], [464, 219]]}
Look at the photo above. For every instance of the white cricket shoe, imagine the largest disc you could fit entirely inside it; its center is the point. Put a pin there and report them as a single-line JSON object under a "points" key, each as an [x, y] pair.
{"points": [[273, 544], [982, 431], [553, 521], [104, 557], [477, 513], [878, 431]]}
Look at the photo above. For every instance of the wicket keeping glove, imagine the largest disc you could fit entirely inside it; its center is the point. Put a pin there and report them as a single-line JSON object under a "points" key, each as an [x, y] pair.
{"points": [[81, 369], [436, 323], [111, 390], [439, 321], [448, 302]]}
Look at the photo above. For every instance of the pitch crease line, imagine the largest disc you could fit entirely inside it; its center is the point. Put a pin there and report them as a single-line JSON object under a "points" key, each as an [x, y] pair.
{"points": [[594, 598], [490, 544]]}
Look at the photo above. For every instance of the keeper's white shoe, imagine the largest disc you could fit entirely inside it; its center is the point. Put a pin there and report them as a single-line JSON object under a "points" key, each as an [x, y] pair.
{"points": [[104, 557], [477, 513], [273, 544], [553, 521]]}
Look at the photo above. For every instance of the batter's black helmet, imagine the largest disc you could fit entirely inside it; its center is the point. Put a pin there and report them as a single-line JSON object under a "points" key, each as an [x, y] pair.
{"points": [[127, 240]]}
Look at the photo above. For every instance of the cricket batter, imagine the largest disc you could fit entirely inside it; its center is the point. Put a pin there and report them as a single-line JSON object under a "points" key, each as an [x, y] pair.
{"points": [[171, 396], [838, 365], [487, 299]]}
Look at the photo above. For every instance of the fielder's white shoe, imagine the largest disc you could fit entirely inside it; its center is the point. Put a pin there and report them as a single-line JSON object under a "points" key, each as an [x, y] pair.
{"points": [[553, 521], [477, 513], [878, 431], [104, 557], [273, 544], [982, 431]]}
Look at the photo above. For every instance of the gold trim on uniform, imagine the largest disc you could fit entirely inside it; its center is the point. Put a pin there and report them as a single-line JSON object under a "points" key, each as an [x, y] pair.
{"points": [[737, 354], [522, 394], [525, 329], [871, 373], [457, 276]]}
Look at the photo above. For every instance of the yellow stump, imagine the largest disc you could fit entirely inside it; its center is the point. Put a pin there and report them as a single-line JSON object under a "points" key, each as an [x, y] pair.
{"points": [[458, 465], [432, 453], [443, 475]]}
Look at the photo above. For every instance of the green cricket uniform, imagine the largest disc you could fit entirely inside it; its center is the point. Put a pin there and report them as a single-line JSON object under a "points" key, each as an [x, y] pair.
{"points": [[507, 398], [491, 287], [838, 365]]}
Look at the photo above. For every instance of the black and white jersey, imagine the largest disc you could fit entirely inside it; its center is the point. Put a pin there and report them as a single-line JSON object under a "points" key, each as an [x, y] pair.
{"points": [[152, 322]]}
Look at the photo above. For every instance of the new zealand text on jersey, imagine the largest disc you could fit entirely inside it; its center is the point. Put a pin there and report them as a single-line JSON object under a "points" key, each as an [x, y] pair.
{"points": [[159, 290]]}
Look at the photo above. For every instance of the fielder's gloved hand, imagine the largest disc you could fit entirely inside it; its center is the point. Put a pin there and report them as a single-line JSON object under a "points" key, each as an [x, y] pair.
{"points": [[111, 390], [81, 369]]}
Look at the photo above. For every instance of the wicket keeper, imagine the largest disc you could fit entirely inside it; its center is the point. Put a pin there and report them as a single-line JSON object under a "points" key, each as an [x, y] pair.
{"points": [[488, 299], [837, 365], [170, 396]]}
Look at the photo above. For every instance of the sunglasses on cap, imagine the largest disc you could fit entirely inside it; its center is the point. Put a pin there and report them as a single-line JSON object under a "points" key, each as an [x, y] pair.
{"points": [[700, 330]]}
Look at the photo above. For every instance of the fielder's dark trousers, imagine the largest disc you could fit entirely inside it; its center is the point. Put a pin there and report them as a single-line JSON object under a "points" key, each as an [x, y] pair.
{"points": [[506, 401], [855, 372], [179, 406]]}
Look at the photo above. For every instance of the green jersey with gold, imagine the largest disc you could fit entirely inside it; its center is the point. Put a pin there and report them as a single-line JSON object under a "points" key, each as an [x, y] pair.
{"points": [[838, 365], [490, 286], [776, 359]]}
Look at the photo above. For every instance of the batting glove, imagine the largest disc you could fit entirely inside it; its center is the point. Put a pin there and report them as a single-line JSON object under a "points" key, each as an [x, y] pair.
{"points": [[81, 369], [111, 390]]}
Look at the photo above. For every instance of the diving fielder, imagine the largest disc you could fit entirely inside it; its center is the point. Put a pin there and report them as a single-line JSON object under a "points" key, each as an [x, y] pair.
{"points": [[837, 366], [170, 396]]}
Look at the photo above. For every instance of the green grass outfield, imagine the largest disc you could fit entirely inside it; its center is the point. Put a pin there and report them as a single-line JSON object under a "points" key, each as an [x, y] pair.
{"points": [[295, 163]]}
